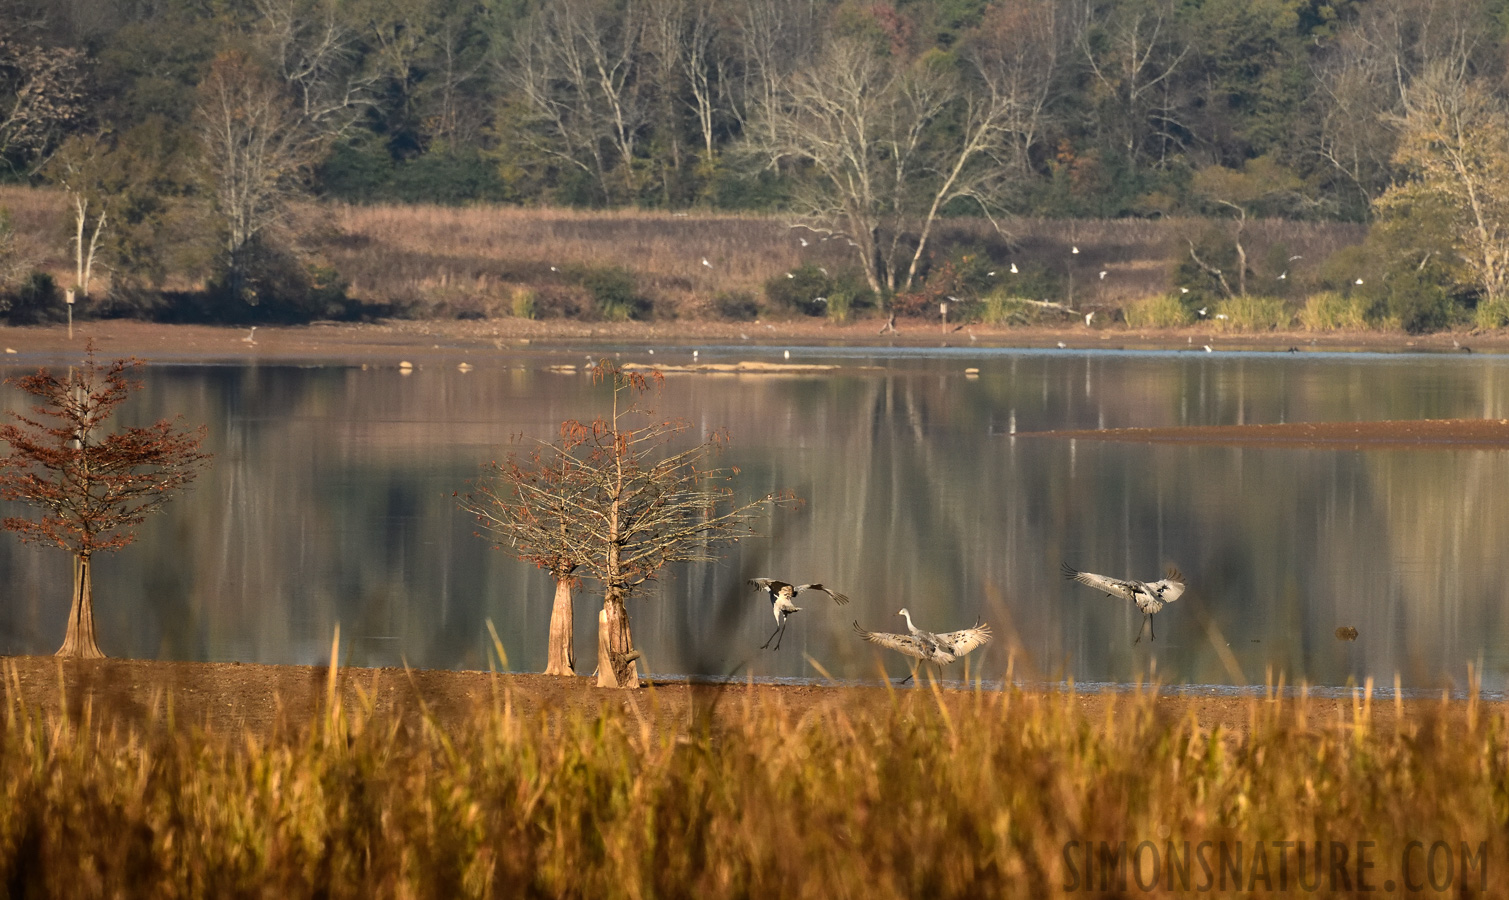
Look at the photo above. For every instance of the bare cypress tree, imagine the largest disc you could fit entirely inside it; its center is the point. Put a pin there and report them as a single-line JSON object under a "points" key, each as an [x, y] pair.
{"points": [[92, 486], [619, 502], [527, 507]]}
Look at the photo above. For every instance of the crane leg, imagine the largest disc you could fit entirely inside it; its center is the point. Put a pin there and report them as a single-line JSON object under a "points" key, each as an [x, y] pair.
{"points": [[1153, 635], [908, 678], [778, 630], [1140, 625]]}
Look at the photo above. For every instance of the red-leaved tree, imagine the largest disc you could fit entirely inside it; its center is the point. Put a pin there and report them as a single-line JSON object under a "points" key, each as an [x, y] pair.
{"points": [[92, 486]]}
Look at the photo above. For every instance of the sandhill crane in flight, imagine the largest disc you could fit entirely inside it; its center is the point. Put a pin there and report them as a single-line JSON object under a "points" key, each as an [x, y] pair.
{"points": [[782, 597], [1149, 597], [925, 646]]}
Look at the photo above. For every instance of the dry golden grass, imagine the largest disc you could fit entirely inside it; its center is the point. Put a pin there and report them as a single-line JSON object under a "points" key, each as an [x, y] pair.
{"points": [[471, 262], [40, 220], [452, 257], [939, 794], [448, 260]]}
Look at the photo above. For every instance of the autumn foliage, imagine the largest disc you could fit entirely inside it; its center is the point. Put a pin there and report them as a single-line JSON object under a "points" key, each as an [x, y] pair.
{"points": [[91, 487]]}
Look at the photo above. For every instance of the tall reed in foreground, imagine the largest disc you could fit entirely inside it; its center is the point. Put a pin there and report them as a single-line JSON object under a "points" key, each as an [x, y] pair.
{"points": [[938, 795]]}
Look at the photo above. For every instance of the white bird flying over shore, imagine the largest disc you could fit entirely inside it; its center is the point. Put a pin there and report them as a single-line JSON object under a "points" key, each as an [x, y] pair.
{"points": [[1149, 598]]}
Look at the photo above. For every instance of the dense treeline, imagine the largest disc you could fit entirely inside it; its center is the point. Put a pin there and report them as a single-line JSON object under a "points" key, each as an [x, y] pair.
{"points": [[182, 129]]}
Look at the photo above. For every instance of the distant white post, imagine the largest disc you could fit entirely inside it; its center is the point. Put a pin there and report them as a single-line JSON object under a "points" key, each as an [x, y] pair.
{"points": [[68, 296]]}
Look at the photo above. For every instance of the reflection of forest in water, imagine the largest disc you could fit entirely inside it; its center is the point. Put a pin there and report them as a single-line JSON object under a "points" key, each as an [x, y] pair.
{"points": [[330, 500]]}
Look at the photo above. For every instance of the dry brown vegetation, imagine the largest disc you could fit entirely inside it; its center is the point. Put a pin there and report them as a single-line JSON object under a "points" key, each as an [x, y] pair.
{"points": [[478, 261], [448, 260], [38, 221], [815, 792]]}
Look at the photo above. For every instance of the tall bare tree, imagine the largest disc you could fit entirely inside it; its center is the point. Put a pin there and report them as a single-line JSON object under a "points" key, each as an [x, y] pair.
{"points": [[316, 54], [576, 63], [86, 170], [458, 62], [399, 32], [683, 37], [1133, 52], [43, 97], [1018, 56], [93, 487], [618, 498], [775, 39], [529, 506], [1454, 155], [256, 149], [890, 143], [1365, 78]]}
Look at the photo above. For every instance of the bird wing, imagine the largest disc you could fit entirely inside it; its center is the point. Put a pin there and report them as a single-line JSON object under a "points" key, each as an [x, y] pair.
{"points": [[1113, 587], [961, 642], [1172, 586], [901, 643], [840, 599], [767, 584]]}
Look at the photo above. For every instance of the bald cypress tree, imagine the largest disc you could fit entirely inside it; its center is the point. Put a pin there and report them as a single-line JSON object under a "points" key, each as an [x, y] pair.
{"points": [[90, 485]]}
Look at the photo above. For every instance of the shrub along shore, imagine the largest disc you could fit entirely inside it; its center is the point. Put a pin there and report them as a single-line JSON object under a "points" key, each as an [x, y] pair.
{"points": [[432, 784]]}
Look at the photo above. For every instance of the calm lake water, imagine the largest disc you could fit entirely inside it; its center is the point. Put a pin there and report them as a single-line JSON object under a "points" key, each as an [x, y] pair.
{"points": [[330, 501]]}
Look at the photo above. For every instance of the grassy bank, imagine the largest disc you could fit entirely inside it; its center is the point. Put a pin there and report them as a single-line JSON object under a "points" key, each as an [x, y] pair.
{"points": [[944, 794], [489, 261], [447, 261]]}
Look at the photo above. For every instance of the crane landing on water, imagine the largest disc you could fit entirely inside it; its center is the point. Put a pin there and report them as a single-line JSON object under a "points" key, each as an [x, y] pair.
{"points": [[782, 596], [925, 646], [1149, 598]]}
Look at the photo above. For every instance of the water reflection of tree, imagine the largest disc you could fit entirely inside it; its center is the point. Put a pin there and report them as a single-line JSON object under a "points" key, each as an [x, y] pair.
{"points": [[917, 496]]}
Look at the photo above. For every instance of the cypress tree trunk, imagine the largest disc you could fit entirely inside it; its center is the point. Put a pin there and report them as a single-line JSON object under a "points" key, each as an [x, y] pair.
{"points": [[615, 646], [562, 655], [79, 643]]}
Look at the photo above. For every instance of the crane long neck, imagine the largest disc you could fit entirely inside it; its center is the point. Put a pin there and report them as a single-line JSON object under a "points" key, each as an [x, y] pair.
{"points": [[908, 615]]}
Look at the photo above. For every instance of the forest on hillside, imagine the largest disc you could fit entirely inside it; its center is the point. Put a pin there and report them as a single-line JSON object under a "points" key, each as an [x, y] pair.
{"points": [[185, 131]]}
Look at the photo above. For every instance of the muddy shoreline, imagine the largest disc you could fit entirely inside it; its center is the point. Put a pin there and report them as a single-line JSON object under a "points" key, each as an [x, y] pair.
{"points": [[231, 698], [452, 342]]}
